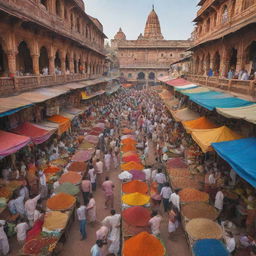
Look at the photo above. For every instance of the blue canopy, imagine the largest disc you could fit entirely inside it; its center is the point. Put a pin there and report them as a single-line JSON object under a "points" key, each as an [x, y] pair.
{"points": [[241, 155], [219, 102], [10, 112]]}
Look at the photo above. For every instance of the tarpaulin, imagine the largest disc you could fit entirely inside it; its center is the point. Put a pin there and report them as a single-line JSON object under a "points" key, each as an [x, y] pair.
{"points": [[170, 103], [63, 122], [185, 87], [247, 113], [38, 135], [164, 78], [195, 90], [11, 143], [199, 123], [178, 82], [165, 94], [74, 111], [205, 138], [240, 154], [231, 102], [67, 115], [127, 85], [184, 114]]}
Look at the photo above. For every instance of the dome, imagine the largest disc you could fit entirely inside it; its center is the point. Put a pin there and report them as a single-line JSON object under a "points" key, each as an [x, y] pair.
{"points": [[152, 28], [120, 35]]}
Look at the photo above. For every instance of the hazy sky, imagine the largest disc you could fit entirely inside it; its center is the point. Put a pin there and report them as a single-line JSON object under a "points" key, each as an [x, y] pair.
{"points": [[175, 16]]}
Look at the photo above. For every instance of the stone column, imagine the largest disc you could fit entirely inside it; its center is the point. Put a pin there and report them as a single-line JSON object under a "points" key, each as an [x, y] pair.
{"points": [[51, 65], [71, 65], [240, 57], [11, 58], [224, 62], [35, 59], [63, 65]]}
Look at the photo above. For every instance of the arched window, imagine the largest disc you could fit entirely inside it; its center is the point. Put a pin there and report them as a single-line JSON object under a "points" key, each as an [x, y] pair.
{"points": [[141, 76], [251, 55], [225, 14], [57, 60], [44, 3], [208, 25], [3, 62], [24, 60], [129, 75], [43, 61], [67, 63], [233, 59], [248, 3], [151, 76], [215, 16], [58, 7], [216, 64]]}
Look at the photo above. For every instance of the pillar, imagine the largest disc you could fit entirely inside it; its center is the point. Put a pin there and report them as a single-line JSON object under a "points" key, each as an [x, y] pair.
{"points": [[63, 65], [11, 58], [35, 59], [71, 65], [51, 65]]}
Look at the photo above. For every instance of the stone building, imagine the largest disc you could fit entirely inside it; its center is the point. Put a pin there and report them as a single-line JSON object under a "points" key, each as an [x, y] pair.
{"points": [[150, 55], [224, 40], [47, 42]]}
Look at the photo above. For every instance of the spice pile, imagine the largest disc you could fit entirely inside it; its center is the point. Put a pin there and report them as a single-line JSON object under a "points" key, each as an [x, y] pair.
{"points": [[77, 167], [133, 158], [135, 199], [202, 228], [210, 247], [128, 147], [51, 170], [137, 175], [136, 216], [135, 186], [83, 155], [132, 166], [59, 162], [193, 195], [92, 139], [5, 192], [176, 163], [68, 188], [72, 177], [199, 210], [185, 182], [86, 145], [55, 220], [61, 201], [143, 244], [178, 172]]}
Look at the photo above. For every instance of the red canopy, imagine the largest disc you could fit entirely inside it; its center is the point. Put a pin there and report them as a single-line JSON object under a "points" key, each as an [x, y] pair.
{"points": [[38, 135], [11, 143], [178, 82]]}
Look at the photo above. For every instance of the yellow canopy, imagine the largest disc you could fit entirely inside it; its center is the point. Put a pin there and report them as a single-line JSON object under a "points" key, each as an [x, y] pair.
{"points": [[196, 90], [247, 113], [205, 138], [170, 103], [85, 95], [184, 114], [198, 124]]}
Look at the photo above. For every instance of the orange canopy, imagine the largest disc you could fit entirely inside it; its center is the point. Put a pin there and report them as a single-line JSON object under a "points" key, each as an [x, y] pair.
{"points": [[128, 147], [132, 166], [63, 122], [199, 123]]}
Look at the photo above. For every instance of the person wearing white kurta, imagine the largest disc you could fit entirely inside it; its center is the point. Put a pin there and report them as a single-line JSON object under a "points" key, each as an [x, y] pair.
{"points": [[19, 205], [4, 244], [175, 200], [30, 207], [21, 230], [107, 161], [230, 242], [219, 200]]}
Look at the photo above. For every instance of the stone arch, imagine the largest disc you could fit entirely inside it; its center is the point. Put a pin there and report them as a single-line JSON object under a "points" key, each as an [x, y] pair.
{"points": [[202, 65], [250, 54], [44, 3], [208, 25], [151, 76], [57, 60], [67, 62], [247, 4], [216, 63], [24, 62], [129, 75], [43, 59], [208, 62], [197, 65], [141, 76], [233, 58], [75, 63], [215, 18], [72, 20], [224, 14]]}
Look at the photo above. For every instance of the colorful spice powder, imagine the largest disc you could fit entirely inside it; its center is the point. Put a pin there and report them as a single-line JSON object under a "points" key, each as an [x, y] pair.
{"points": [[55, 220], [35, 231], [138, 175], [134, 158], [193, 195], [77, 167], [68, 188], [86, 145], [83, 155], [59, 162], [128, 136], [94, 132], [135, 186], [210, 247], [143, 244], [130, 153], [136, 216], [35, 246], [72, 177], [51, 169], [92, 139], [5, 192], [178, 172], [128, 147], [127, 131], [176, 163], [185, 182], [199, 210], [202, 228], [61, 201], [135, 199], [129, 230], [132, 166], [129, 141]]}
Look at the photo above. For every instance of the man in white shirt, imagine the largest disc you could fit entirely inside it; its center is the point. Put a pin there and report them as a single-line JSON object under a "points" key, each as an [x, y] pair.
{"points": [[211, 179], [30, 207], [166, 194], [21, 230], [160, 179], [219, 200], [230, 242], [154, 223], [43, 188], [175, 200], [92, 176], [99, 170], [4, 244], [81, 215]]}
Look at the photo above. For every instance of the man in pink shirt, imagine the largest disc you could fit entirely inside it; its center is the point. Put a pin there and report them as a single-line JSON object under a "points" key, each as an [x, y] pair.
{"points": [[108, 188], [86, 188]]}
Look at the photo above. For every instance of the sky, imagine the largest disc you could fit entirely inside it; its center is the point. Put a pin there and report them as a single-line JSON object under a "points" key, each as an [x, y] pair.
{"points": [[175, 16]]}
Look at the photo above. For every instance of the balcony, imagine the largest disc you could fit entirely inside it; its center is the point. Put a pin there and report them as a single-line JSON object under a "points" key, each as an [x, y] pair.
{"points": [[145, 66], [30, 11], [205, 6], [234, 23], [241, 88], [18, 84]]}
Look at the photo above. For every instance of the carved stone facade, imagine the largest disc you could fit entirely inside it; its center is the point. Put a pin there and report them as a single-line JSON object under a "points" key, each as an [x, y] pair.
{"points": [[150, 55], [225, 37], [54, 37]]}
